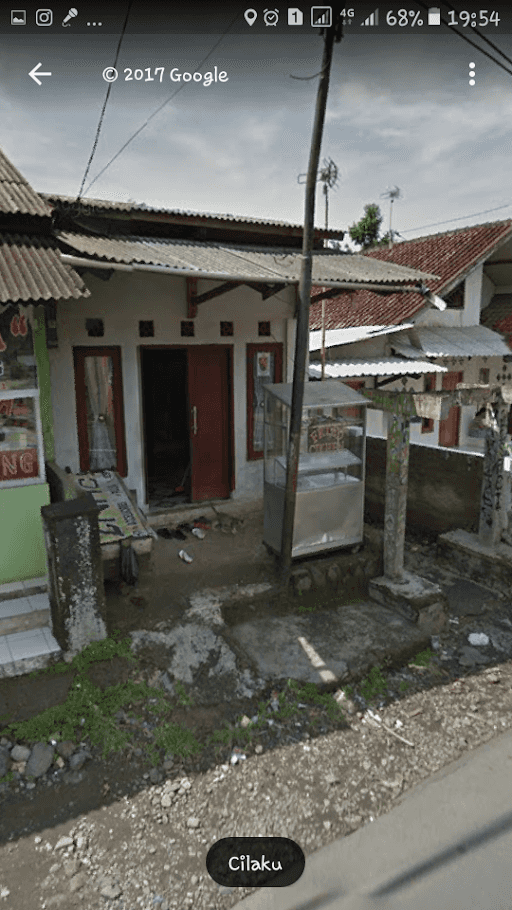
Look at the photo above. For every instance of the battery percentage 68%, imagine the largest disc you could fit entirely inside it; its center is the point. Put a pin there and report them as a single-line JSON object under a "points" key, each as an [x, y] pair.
{"points": [[403, 18]]}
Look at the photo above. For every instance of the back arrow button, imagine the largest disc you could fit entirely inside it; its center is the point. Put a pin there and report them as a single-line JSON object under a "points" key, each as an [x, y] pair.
{"points": [[34, 74]]}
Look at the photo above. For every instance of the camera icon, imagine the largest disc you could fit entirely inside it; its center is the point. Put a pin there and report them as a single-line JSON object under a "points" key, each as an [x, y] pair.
{"points": [[44, 17]]}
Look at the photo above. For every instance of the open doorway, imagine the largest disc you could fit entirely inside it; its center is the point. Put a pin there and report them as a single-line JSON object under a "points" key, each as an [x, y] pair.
{"points": [[166, 429]]}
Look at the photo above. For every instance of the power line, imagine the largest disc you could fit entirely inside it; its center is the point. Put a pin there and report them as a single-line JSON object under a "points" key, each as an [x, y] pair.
{"points": [[158, 109], [472, 43], [107, 96], [451, 220], [481, 35]]}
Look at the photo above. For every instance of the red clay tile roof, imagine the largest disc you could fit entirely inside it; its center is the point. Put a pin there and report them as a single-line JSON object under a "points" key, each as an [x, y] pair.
{"points": [[449, 255], [498, 316]]}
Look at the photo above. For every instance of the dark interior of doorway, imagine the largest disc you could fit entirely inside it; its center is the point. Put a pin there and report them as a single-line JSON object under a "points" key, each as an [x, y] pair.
{"points": [[165, 397]]}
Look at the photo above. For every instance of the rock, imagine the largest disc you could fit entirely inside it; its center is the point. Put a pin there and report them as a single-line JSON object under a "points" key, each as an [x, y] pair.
{"points": [[193, 822], [109, 888], [20, 753], [78, 760], [301, 582], [40, 760], [318, 576], [64, 842], [65, 749], [470, 657], [77, 882], [432, 619], [333, 574]]}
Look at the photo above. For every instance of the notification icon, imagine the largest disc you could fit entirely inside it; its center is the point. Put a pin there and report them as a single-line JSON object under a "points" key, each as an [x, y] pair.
{"points": [[295, 16]]}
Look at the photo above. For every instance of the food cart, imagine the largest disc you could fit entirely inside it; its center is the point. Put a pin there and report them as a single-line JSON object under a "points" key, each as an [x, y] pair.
{"points": [[329, 506]]}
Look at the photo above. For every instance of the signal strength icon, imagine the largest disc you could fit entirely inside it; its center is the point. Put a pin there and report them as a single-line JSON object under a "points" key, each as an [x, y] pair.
{"points": [[373, 19]]}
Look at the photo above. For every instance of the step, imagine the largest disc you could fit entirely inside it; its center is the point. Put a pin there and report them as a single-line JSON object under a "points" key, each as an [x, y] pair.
{"points": [[14, 589], [23, 652], [24, 613]]}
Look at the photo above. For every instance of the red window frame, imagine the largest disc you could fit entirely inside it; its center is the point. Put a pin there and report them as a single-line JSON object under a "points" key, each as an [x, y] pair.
{"points": [[79, 355], [275, 348]]}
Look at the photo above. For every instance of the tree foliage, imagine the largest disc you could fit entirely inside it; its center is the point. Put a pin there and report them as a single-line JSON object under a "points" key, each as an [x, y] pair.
{"points": [[366, 232]]}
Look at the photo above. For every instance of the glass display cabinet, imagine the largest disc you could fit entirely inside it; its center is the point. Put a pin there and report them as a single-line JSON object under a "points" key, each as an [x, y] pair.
{"points": [[329, 504]]}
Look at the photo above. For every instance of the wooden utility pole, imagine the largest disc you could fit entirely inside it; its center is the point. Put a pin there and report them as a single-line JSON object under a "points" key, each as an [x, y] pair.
{"points": [[332, 35]]}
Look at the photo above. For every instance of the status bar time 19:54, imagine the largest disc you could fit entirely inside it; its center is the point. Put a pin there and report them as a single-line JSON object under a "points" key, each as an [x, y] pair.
{"points": [[480, 18]]}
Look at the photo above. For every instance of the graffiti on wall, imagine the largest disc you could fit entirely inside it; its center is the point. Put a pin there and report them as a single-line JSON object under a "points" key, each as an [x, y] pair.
{"points": [[493, 479]]}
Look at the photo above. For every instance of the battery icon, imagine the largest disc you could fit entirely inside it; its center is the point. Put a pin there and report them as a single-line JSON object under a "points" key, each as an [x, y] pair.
{"points": [[434, 15]]}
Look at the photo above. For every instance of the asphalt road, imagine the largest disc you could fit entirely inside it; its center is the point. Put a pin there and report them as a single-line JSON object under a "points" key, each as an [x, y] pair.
{"points": [[447, 844]]}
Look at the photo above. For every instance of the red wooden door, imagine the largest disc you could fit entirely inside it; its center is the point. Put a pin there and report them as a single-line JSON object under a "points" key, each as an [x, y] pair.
{"points": [[209, 388], [449, 428]]}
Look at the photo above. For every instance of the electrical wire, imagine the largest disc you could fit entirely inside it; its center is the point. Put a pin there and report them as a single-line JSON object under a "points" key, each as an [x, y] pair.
{"points": [[472, 43], [107, 96], [158, 109], [480, 35], [450, 220]]}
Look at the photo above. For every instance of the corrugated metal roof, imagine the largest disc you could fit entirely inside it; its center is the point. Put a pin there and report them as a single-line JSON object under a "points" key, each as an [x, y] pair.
{"points": [[31, 269], [16, 195], [242, 262], [468, 341], [450, 256], [382, 366], [93, 206], [319, 394], [337, 337]]}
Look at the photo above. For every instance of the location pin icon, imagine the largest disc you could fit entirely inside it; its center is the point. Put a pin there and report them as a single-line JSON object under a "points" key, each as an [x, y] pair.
{"points": [[250, 16]]}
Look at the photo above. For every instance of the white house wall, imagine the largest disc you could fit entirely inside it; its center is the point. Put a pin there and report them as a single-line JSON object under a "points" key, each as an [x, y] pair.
{"points": [[129, 297]]}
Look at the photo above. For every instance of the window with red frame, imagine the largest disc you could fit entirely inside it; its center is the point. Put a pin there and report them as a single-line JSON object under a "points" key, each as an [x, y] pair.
{"points": [[99, 409], [264, 365]]}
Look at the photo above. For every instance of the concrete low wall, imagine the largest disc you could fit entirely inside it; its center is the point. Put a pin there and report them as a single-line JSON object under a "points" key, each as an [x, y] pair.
{"points": [[443, 491]]}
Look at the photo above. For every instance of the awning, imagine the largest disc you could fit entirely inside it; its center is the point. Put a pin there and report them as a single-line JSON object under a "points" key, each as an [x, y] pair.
{"points": [[31, 269], [380, 366], [337, 337], [468, 341], [242, 263]]}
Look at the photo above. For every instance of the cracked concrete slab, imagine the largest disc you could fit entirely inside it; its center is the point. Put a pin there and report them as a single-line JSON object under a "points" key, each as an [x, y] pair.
{"points": [[195, 655], [466, 598], [329, 646]]}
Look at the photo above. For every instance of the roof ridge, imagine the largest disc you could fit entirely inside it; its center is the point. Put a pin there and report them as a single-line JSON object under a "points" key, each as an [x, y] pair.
{"points": [[107, 204], [424, 237]]}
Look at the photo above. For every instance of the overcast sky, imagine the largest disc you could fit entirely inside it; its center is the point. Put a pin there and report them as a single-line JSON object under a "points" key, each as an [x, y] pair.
{"points": [[400, 112]]}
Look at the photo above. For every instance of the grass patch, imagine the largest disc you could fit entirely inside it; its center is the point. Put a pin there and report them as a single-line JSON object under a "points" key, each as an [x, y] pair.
{"points": [[90, 712]]}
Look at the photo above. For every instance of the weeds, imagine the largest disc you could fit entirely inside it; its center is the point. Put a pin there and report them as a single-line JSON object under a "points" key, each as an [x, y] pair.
{"points": [[90, 712]]}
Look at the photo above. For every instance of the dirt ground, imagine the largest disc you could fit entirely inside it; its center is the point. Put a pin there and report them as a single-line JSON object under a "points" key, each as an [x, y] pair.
{"points": [[232, 553]]}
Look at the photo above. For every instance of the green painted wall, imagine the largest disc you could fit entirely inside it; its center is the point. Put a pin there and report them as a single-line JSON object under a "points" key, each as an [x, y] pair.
{"points": [[22, 546], [43, 373]]}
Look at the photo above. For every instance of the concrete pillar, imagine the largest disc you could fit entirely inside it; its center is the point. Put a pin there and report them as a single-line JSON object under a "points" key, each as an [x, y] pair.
{"points": [[75, 572], [397, 467], [492, 500]]}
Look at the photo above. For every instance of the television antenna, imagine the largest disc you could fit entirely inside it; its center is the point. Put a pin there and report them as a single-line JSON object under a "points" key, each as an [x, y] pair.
{"points": [[328, 175], [391, 194]]}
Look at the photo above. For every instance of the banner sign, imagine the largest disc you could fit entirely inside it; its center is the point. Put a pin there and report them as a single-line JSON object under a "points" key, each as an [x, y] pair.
{"points": [[18, 439], [18, 464], [326, 437], [17, 361], [118, 518]]}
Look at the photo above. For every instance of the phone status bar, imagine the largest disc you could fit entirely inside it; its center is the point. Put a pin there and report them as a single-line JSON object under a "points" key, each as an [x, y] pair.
{"points": [[205, 18]]}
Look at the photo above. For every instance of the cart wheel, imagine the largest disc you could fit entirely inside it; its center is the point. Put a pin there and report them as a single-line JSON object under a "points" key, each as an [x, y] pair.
{"points": [[355, 549]]}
